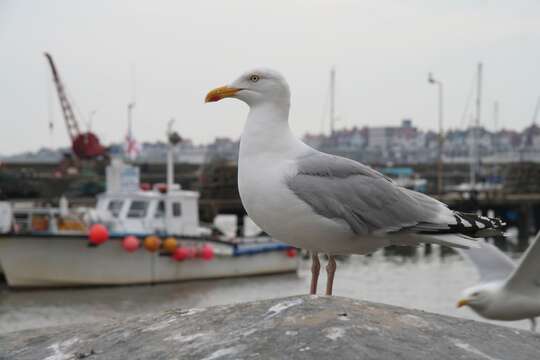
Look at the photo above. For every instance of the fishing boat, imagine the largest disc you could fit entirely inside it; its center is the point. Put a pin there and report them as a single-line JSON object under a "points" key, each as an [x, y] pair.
{"points": [[131, 236]]}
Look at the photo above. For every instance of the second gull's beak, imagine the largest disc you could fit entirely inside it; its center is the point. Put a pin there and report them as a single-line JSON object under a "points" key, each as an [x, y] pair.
{"points": [[462, 302], [220, 93]]}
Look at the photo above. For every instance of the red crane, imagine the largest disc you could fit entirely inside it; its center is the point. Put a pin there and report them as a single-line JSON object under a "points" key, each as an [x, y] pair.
{"points": [[84, 145]]}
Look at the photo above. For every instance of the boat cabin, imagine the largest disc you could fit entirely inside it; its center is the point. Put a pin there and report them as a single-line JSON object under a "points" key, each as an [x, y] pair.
{"points": [[146, 212], [124, 209]]}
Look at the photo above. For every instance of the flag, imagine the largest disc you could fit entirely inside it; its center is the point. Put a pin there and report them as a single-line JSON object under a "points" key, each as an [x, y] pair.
{"points": [[131, 146]]}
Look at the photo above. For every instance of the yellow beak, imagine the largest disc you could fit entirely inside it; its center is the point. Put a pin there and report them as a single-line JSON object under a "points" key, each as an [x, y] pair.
{"points": [[220, 93], [462, 302]]}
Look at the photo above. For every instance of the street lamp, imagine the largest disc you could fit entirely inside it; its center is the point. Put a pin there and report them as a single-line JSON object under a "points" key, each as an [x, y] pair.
{"points": [[434, 81]]}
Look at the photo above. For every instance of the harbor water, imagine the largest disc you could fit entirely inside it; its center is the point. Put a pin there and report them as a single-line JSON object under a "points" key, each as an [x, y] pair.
{"points": [[427, 282]]}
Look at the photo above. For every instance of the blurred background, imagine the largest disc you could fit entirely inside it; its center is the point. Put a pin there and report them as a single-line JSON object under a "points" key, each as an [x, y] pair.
{"points": [[442, 97]]}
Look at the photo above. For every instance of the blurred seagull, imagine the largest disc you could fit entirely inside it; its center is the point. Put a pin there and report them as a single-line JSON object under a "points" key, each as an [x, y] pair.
{"points": [[506, 291], [325, 203]]}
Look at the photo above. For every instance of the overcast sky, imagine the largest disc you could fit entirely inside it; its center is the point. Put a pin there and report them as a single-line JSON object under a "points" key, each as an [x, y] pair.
{"points": [[382, 50]]}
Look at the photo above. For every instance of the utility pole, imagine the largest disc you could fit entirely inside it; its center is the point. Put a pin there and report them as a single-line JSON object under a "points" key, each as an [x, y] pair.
{"points": [[439, 84], [496, 126]]}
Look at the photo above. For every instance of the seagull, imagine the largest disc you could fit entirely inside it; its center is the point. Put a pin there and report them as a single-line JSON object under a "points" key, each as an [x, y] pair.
{"points": [[325, 203], [506, 291]]}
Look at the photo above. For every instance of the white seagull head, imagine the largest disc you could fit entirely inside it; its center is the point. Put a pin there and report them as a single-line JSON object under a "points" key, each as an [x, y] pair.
{"points": [[479, 297], [255, 87]]}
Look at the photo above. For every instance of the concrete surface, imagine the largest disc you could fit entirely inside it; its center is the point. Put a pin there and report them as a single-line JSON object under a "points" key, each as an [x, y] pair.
{"points": [[301, 327]]}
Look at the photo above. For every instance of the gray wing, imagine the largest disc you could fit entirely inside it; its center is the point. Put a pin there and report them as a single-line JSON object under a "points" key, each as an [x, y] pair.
{"points": [[490, 262], [526, 277], [367, 201]]}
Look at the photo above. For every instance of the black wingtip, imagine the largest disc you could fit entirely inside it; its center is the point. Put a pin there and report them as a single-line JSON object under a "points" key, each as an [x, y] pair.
{"points": [[477, 226]]}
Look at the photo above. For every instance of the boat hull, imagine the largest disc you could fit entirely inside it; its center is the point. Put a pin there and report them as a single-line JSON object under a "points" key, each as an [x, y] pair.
{"points": [[59, 262]]}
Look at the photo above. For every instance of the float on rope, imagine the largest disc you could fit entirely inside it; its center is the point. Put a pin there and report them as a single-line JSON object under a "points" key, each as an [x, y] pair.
{"points": [[170, 244], [206, 252], [291, 252], [181, 254], [152, 243], [98, 234], [131, 243]]}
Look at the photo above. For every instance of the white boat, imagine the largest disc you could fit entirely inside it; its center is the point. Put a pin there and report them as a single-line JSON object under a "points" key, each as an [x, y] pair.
{"points": [[50, 247]]}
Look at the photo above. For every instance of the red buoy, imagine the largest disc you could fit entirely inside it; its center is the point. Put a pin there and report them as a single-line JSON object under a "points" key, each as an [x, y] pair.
{"points": [[131, 243], [98, 234], [291, 252], [181, 254], [206, 252]]}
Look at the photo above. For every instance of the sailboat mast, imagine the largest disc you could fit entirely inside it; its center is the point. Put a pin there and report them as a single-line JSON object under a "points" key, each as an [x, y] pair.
{"points": [[332, 99], [495, 116], [536, 110]]}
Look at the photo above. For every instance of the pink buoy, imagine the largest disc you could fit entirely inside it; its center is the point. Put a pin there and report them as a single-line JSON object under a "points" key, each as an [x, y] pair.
{"points": [[98, 234], [207, 252], [181, 254], [131, 243]]}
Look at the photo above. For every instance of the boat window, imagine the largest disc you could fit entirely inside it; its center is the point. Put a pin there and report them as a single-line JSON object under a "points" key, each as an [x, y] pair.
{"points": [[137, 209], [115, 206], [160, 210], [21, 219], [177, 209]]}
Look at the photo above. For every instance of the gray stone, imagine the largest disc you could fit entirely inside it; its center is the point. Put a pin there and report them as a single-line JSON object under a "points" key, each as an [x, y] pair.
{"points": [[302, 327]]}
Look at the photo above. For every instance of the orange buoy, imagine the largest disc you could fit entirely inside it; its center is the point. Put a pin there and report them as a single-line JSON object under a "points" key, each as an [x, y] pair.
{"points": [[152, 243], [170, 244], [131, 243], [98, 234]]}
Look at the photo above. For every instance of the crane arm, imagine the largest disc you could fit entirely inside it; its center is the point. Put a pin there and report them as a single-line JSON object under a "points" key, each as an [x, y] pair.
{"points": [[69, 116]]}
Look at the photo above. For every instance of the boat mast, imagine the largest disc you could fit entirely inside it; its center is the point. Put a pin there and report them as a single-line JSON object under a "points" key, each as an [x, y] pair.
{"points": [[332, 99], [536, 110], [475, 144], [495, 115], [170, 178], [170, 160], [130, 107]]}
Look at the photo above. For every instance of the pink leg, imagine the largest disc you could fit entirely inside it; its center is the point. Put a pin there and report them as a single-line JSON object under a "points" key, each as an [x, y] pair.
{"points": [[330, 270], [315, 269]]}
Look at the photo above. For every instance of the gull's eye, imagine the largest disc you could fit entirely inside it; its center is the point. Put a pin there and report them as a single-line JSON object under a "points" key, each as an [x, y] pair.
{"points": [[254, 78]]}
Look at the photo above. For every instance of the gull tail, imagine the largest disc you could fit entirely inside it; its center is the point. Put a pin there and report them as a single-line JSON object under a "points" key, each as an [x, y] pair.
{"points": [[477, 226]]}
